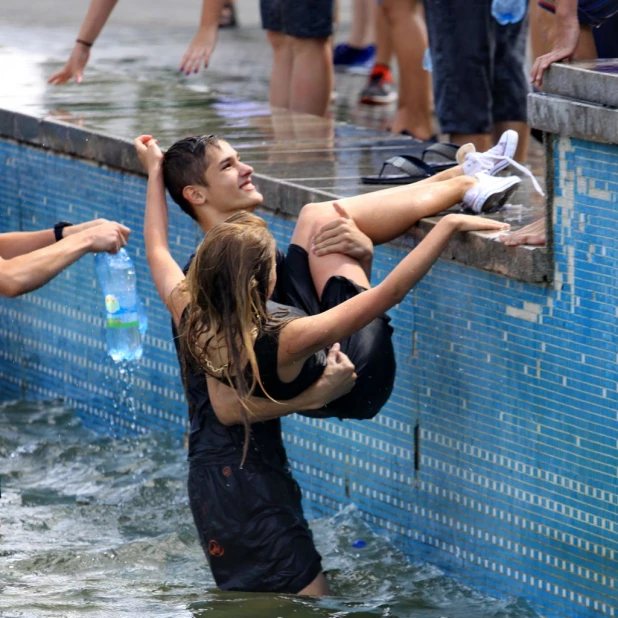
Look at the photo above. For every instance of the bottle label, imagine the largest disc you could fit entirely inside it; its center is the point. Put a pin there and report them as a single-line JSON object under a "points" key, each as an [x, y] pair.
{"points": [[118, 317]]}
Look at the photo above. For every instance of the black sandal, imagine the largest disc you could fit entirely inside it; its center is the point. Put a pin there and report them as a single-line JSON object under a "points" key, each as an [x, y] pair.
{"points": [[436, 158]]}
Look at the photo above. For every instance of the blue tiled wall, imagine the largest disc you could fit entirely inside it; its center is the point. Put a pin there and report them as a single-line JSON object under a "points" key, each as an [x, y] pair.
{"points": [[511, 389]]}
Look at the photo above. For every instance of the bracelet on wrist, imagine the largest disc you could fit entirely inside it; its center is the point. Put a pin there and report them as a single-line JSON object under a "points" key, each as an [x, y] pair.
{"points": [[58, 229], [84, 43]]}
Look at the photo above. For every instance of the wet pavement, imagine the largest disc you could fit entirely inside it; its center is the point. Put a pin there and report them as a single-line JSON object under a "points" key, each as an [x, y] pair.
{"points": [[132, 85]]}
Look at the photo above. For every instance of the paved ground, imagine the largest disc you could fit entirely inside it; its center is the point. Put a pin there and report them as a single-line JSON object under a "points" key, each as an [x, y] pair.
{"points": [[132, 85]]}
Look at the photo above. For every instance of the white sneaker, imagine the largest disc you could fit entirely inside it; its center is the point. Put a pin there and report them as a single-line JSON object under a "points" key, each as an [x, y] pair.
{"points": [[495, 159], [490, 192]]}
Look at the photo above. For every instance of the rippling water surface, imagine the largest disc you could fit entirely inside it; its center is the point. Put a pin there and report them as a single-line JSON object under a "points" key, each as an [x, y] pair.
{"points": [[91, 526]]}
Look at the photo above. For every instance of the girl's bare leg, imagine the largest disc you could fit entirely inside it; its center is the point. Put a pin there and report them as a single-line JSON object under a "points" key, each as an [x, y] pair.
{"points": [[396, 207], [317, 588], [382, 216]]}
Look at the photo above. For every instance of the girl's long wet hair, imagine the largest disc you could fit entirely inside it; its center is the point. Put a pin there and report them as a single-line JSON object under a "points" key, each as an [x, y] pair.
{"points": [[228, 284]]}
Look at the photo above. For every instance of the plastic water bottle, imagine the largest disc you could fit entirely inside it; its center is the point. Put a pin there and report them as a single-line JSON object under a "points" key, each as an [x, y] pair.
{"points": [[122, 306], [508, 11], [427, 64]]}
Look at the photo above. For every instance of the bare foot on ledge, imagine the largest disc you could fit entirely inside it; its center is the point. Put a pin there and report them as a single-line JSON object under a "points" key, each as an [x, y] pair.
{"points": [[533, 234]]}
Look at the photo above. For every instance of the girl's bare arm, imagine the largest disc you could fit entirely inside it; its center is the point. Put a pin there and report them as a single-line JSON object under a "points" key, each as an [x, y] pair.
{"points": [[303, 337]]}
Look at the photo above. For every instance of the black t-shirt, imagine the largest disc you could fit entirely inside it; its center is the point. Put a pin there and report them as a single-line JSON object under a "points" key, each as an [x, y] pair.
{"points": [[212, 442]]}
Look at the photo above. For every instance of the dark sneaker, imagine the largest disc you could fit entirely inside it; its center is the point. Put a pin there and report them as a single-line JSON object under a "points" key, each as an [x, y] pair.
{"points": [[380, 88], [353, 59]]}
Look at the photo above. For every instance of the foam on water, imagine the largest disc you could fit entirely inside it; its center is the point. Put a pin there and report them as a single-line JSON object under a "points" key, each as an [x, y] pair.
{"points": [[96, 526]]}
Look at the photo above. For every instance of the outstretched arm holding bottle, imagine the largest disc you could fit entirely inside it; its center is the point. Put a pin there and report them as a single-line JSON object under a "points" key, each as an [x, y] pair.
{"points": [[29, 260]]}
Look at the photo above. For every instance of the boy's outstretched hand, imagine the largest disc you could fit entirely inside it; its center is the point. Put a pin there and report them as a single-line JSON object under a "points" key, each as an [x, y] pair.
{"points": [[148, 152]]}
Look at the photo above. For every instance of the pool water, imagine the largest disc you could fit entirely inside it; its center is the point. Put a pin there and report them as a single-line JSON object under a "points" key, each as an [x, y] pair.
{"points": [[95, 526]]}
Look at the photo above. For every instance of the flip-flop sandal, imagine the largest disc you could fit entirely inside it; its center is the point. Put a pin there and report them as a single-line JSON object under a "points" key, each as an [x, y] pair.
{"points": [[441, 155], [436, 158]]}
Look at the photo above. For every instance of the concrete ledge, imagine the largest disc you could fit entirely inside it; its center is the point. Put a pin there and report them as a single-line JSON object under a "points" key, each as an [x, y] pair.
{"points": [[595, 81], [529, 264], [476, 249], [571, 118]]}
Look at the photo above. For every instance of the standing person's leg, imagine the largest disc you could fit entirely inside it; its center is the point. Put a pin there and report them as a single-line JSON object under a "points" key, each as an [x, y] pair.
{"points": [[358, 51], [461, 53], [362, 29], [281, 47], [380, 86], [409, 42], [312, 76], [281, 73], [309, 25], [510, 83]]}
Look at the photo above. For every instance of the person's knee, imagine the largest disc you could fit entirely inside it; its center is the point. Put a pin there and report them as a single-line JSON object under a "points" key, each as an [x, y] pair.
{"points": [[309, 45], [317, 212], [393, 9], [278, 41], [311, 218]]}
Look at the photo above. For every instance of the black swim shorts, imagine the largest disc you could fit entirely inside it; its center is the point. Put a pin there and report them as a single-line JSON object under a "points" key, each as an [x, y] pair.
{"points": [[370, 349], [251, 527]]}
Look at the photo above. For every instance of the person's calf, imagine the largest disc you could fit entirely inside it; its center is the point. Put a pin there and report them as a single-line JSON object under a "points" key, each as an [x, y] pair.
{"points": [[312, 75]]}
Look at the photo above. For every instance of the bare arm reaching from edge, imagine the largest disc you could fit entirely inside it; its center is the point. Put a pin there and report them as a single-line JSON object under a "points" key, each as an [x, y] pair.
{"points": [[13, 244], [567, 34], [99, 11], [203, 44], [96, 17], [24, 271]]}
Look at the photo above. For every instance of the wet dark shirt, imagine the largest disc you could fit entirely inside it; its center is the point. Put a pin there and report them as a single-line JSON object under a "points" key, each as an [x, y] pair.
{"points": [[212, 442]]}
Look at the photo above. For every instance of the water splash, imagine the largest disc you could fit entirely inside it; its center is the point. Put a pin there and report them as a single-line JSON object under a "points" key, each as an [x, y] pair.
{"points": [[99, 526]]}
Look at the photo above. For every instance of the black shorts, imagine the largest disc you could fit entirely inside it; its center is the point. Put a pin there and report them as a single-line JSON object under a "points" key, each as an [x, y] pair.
{"points": [[589, 12], [479, 76], [251, 527], [304, 19], [370, 349]]}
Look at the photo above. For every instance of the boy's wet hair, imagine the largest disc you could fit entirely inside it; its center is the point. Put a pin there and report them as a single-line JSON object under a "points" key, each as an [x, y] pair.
{"points": [[185, 163]]}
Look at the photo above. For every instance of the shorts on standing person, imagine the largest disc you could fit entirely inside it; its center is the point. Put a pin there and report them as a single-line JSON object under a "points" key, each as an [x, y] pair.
{"points": [[303, 19], [478, 66], [589, 12]]}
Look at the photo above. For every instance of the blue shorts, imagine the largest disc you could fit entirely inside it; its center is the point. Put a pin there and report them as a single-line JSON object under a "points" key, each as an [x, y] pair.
{"points": [[589, 12], [478, 66], [304, 19]]}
